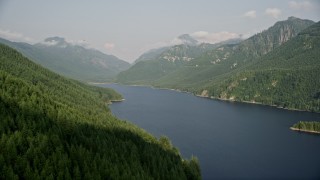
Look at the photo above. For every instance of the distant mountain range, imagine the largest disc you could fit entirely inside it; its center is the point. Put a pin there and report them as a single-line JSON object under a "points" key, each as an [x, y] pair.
{"points": [[160, 62], [180, 51], [70, 60], [279, 66]]}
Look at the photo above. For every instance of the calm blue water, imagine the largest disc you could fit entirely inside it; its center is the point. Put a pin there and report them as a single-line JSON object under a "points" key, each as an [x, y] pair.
{"points": [[231, 140]]}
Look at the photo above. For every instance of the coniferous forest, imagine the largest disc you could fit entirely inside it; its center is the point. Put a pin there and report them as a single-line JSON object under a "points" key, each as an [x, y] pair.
{"points": [[259, 69], [166, 90], [309, 126], [56, 128]]}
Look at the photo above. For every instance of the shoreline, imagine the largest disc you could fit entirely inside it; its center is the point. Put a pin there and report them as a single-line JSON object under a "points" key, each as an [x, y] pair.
{"points": [[304, 130], [256, 103], [117, 100], [93, 83], [215, 98]]}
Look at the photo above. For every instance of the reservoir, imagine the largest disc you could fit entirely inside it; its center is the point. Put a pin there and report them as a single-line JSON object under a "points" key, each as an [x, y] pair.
{"points": [[231, 140]]}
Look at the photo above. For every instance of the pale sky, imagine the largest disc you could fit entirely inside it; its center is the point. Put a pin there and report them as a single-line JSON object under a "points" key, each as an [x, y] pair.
{"points": [[128, 28]]}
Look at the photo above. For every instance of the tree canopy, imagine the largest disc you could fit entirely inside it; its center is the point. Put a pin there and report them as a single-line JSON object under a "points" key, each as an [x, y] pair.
{"points": [[57, 128]]}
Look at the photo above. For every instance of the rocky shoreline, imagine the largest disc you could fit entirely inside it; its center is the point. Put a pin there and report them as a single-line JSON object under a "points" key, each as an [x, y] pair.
{"points": [[304, 130]]}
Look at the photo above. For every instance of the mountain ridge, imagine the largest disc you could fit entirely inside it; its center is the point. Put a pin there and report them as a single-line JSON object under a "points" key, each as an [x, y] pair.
{"points": [[210, 71], [214, 61], [70, 60]]}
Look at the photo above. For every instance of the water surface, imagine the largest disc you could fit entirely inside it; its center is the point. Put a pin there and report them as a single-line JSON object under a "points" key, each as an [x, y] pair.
{"points": [[231, 140]]}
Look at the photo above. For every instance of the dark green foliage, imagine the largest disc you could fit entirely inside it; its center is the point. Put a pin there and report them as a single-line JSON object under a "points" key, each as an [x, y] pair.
{"points": [[308, 126], [293, 89], [193, 168], [56, 128], [287, 77]]}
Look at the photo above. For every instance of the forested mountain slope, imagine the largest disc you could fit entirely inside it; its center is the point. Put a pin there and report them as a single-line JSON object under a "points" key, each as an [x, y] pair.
{"points": [[279, 66], [195, 67], [158, 63], [215, 65], [71, 60], [151, 54], [56, 128], [288, 77]]}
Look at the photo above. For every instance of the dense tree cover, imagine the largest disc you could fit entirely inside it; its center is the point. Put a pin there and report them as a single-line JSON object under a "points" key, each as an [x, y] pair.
{"points": [[308, 126], [279, 67], [293, 89], [209, 63], [287, 77], [56, 128]]}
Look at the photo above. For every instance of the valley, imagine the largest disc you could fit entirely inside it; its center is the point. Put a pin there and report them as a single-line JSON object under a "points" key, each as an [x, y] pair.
{"points": [[225, 136], [178, 90], [266, 68], [52, 126]]}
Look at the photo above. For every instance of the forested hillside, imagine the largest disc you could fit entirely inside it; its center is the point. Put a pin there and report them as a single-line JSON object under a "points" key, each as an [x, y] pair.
{"points": [[159, 63], [190, 67], [71, 60], [287, 77], [279, 67], [213, 66], [56, 128]]}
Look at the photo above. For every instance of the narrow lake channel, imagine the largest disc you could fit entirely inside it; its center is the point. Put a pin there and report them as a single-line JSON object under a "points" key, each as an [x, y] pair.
{"points": [[231, 140]]}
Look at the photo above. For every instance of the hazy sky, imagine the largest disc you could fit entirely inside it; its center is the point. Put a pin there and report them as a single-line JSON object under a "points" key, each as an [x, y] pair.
{"points": [[129, 28]]}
